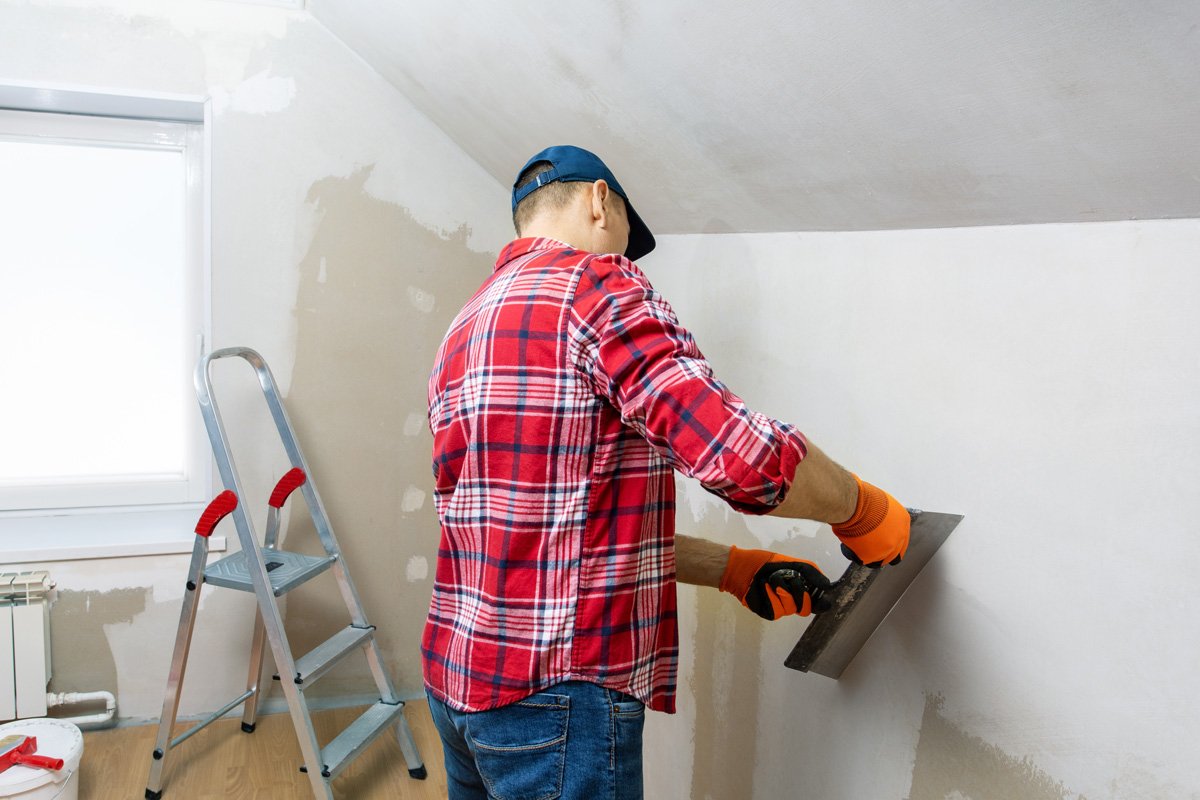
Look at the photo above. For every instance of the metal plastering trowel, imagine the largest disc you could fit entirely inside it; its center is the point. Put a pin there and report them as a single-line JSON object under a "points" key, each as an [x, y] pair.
{"points": [[863, 596]]}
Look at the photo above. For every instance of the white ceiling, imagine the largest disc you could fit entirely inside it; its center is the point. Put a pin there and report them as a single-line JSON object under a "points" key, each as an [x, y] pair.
{"points": [[767, 115]]}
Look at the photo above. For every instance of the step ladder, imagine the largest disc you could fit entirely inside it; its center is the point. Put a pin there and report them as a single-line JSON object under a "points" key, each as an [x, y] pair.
{"points": [[269, 573]]}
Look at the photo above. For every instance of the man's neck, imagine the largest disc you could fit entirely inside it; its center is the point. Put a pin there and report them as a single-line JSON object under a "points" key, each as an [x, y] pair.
{"points": [[560, 233]]}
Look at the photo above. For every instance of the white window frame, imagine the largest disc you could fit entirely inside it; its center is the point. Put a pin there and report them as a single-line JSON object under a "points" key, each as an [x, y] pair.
{"points": [[121, 518]]}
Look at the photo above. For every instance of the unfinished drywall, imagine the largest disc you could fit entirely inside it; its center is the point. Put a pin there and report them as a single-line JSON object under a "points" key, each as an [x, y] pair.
{"points": [[1041, 380], [79, 634], [296, 115], [120, 639], [377, 292]]}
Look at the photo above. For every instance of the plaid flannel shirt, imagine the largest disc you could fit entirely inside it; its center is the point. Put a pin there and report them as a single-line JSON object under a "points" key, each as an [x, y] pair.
{"points": [[562, 397]]}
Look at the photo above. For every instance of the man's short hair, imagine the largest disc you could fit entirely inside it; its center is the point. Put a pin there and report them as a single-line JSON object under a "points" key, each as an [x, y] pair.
{"points": [[553, 196]]}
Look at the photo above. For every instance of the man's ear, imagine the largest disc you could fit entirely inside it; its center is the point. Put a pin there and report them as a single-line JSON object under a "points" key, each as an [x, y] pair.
{"points": [[599, 195]]}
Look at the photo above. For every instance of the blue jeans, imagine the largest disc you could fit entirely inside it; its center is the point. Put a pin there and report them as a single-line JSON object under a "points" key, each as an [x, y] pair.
{"points": [[574, 741]]}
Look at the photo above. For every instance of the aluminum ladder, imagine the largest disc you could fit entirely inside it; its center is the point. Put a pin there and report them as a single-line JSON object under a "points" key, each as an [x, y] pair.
{"points": [[269, 573]]}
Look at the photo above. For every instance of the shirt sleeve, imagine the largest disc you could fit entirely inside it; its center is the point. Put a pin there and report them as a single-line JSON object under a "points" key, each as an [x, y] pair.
{"points": [[626, 341]]}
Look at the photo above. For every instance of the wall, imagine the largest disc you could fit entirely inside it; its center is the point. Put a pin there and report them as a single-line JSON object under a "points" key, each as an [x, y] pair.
{"points": [[1044, 382], [346, 229]]}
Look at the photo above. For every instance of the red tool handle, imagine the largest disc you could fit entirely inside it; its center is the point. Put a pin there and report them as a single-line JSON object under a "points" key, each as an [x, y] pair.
{"points": [[217, 510], [37, 761], [24, 753]]}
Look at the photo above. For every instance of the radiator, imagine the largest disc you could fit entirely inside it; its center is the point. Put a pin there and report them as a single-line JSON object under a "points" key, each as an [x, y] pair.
{"points": [[24, 644]]}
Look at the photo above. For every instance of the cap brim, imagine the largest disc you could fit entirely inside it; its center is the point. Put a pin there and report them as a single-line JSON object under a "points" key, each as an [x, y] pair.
{"points": [[641, 240]]}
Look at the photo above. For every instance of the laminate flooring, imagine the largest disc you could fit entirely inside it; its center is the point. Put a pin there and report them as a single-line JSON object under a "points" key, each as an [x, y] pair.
{"points": [[221, 762]]}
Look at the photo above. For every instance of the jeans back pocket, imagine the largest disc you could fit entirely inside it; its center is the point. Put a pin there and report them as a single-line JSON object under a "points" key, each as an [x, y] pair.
{"points": [[521, 749]]}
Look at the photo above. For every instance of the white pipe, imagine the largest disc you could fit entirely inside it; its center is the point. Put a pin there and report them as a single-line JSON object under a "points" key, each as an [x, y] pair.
{"points": [[88, 721]]}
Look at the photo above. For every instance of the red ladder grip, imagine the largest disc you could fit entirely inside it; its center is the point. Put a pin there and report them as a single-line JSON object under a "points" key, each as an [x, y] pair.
{"points": [[217, 510], [287, 484]]}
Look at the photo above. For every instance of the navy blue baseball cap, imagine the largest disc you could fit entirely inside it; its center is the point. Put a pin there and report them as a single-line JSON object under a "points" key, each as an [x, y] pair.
{"points": [[576, 164]]}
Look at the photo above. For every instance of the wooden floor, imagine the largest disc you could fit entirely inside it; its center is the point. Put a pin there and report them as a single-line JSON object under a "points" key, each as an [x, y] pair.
{"points": [[222, 762]]}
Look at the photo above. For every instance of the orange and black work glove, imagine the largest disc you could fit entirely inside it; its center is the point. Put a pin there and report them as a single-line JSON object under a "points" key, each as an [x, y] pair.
{"points": [[877, 532], [773, 585]]}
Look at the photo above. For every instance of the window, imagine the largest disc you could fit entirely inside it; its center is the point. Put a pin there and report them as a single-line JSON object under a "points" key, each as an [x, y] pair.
{"points": [[103, 314]]}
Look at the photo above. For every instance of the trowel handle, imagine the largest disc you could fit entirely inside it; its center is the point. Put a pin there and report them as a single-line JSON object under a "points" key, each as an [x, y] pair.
{"points": [[38, 761]]}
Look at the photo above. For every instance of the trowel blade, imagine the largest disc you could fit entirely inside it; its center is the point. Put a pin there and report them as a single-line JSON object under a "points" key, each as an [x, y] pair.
{"points": [[863, 597]]}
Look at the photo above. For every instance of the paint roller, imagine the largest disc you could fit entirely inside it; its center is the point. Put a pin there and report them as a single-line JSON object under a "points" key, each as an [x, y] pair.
{"points": [[19, 749]]}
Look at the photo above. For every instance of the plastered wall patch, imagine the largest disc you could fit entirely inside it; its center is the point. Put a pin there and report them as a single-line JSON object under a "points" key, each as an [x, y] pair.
{"points": [[82, 654], [413, 500], [259, 94], [952, 764], [699, 501], [725, 689], [421, 300], [414, 423], [417, 569], [769, 529]]}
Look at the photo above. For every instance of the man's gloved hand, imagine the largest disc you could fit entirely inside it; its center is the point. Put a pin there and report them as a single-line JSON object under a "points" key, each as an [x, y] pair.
{"points": [[877, 532], [773, 585]]}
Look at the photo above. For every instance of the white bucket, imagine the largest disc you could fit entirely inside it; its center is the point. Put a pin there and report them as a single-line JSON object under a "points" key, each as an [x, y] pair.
{"points": [[56, 739]]}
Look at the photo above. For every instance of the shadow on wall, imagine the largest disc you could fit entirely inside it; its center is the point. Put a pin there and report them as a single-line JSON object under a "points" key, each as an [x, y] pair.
{"points": [[377, 293]]}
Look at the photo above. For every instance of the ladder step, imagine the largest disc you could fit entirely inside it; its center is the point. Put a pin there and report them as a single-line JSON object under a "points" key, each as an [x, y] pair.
{"points": [[286, 570], [338, 754], [315, 663]]}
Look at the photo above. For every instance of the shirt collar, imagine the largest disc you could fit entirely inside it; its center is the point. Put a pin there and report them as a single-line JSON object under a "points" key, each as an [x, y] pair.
{"points": [[521, 247]]}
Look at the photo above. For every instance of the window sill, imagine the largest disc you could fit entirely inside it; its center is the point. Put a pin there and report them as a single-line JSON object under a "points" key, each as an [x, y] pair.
{"points": [[79, 536]]}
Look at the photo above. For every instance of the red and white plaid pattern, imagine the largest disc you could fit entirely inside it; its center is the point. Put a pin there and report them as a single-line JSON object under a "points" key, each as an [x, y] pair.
{"points": [[563, 395]]}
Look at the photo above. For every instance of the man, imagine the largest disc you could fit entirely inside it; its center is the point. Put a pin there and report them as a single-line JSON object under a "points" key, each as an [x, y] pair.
{"points": [[562, 398]]}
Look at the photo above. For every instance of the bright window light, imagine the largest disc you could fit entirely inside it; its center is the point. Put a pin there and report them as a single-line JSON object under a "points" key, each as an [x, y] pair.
{"points": [[99, 315]]}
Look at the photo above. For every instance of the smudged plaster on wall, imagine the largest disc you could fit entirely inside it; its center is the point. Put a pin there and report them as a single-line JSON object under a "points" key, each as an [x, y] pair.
{"points": [[701, 503], [728, 649], [339, 117], [759, 729], [417, 569], [77, 630], [364, 352], [195, 48], [724, 688], [190, 18], [120, 639], [259, 94], [952, 763], [415, 423]]}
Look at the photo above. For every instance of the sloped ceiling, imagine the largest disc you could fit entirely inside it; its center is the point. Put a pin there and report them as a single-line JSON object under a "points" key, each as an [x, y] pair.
{"points": [[760, 115]]}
